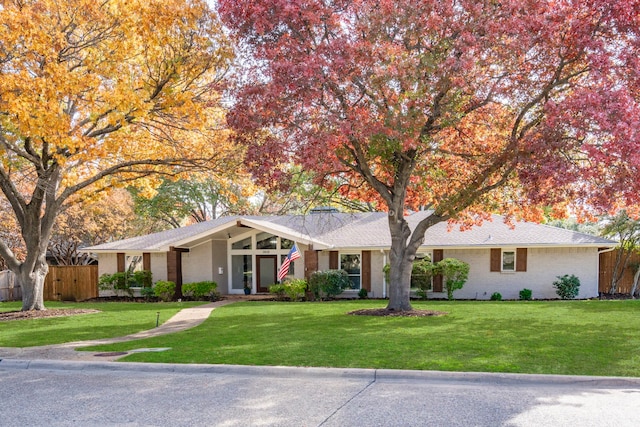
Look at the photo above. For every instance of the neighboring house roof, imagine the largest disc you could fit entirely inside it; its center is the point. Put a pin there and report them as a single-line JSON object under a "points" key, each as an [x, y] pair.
{"points": [[357, 230]]}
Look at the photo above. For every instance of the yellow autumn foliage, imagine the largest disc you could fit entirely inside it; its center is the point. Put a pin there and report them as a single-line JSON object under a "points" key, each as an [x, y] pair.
{"points": [[118, 87]]}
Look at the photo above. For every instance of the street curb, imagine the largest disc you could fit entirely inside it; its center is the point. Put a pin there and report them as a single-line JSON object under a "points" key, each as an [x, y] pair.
{"points": [[373, 375]]}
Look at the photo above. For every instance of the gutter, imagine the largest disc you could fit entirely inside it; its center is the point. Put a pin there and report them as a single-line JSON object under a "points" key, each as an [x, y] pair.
{"points": [[607, 250]]}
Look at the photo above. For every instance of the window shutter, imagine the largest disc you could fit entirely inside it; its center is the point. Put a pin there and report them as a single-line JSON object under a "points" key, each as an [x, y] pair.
{"points": [[438, 255], [310, 263], [120, 262], [496, 259], [366, 270], [333, 260], [146, 261], [521, 259]]}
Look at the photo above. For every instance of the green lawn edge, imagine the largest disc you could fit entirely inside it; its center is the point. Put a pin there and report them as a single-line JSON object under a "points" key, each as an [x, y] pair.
{"points": [[540, 337], [114, 319]]}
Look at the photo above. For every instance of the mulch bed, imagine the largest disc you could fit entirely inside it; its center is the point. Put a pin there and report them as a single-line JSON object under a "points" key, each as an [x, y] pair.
{"points": [[39, 314], [385, 312]]}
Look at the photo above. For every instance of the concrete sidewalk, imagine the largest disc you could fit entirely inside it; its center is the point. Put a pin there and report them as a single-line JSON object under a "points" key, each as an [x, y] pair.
{"points": [[184, 319]]}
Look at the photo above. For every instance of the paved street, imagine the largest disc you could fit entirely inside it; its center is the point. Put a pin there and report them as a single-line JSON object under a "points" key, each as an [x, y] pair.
{"points": [[64, 393]]}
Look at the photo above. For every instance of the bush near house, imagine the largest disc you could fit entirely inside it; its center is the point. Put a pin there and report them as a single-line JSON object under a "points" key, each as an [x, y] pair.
{"points": [[567, 286], [327, 284], [454, 274], [122, 282], [525, 294], [200, 291], [422, 272], [293, 289], [164, 289]]}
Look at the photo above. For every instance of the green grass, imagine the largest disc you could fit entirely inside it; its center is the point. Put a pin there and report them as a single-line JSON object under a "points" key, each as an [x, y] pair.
{"points": [[114, 320], [548, 337], [553, 337]]}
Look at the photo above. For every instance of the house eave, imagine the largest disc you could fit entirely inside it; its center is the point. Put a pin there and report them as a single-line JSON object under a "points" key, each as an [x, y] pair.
{"points": [[285, 232], [521, 245]]}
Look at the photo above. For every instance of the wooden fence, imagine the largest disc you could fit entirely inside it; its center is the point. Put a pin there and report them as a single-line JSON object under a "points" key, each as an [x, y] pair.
{"points": [[63, 283], [9, 290], [71, 283], [607, 264]]}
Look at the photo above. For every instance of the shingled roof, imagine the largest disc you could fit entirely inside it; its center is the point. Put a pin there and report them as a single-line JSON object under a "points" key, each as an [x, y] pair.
{"points": [[360, 230]]}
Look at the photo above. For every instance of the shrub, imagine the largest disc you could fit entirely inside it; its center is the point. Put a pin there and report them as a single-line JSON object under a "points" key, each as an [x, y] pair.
{"points": [[205, 290], [148, 293], [454, 274], [293, 289], [567, 287], [119, 283], [363, 293], [421, 293], [327, 284], [525, 294], [496, 296], [141, 278], [421, 273], [122, 282], [278, 291], [164, 290]]}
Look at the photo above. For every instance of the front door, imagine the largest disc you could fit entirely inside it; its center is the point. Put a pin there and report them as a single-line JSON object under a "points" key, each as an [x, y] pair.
{"points": [[267, 270]]}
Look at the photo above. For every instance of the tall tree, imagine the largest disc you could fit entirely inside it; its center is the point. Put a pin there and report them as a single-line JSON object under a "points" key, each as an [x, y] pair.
{"points": [[93, 222], [300, 193], [626, 230], [196, 199], [101, 94], [9, 233], [458, 106]]}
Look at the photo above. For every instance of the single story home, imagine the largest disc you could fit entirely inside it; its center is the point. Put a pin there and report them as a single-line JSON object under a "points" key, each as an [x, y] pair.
{"points": [[239, 251]]}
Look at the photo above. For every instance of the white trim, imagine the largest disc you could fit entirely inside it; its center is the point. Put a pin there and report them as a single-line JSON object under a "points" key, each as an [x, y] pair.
{"points": [[254, 252], [285, 232]]}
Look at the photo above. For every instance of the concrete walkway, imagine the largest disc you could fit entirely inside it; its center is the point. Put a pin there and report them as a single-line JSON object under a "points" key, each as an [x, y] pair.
{"points": [[184, 319]]}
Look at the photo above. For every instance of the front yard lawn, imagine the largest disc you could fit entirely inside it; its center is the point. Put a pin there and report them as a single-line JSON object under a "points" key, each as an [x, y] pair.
{"points": [[546, 337], [115, 319]]}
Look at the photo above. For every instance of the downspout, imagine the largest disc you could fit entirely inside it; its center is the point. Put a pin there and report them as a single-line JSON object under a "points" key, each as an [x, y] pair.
{"points": [[384, 276]]}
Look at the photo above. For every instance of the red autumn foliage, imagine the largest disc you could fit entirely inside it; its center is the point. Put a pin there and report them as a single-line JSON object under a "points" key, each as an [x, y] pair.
{"points": [[460, 106]]}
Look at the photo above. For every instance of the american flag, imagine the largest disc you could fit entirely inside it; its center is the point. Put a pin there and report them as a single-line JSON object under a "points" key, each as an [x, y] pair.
{"points": [[294, 254]]}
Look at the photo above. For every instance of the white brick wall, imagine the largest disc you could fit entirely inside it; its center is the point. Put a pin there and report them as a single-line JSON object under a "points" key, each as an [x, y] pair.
{"points": [[158, 266], [543, 267], [197, 264], [107, 264]]}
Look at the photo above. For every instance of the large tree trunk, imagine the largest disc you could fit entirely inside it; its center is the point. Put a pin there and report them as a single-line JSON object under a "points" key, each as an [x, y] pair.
{"points": [[401, 263], [400, 284], [32, 285], [404, 246]]}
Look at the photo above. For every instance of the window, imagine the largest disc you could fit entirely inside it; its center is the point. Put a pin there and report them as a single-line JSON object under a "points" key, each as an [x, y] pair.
{"points": [[285, 243], [242, 244], [292, 269], [241, 271], [266, 241], [133, 263], [351, 264], [508, 261]]}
